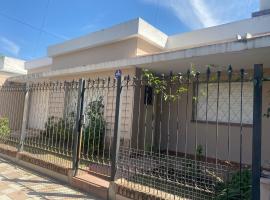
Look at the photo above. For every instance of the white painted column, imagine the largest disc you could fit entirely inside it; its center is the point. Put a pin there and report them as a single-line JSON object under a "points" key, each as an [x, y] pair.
{"points": [[265, 189], [25, 118]]}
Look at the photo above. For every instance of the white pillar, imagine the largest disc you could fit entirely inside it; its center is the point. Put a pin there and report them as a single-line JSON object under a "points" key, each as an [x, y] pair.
{"points": [[265, 189], [25, 118], [264, 4]]}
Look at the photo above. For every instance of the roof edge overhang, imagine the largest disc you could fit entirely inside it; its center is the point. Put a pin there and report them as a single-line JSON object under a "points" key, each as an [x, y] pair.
{"points": [[232, 47], [38, 63], [11, 73], [134, 28], [11, 66]]}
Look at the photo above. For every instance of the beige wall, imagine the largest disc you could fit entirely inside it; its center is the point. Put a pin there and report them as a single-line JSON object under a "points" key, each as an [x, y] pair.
{"points": [[109, 99], [94, 75], [115, 51], [145, 48], [11, 103], [52, 103], [266, 125], [39, 70], [11, 106], [38, 109], [3, 78], [120, 50]]}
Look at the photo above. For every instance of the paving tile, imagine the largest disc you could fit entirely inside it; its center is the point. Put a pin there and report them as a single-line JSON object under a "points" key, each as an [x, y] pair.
{"points": [[18, 195], [16, 186], [4, 197], [8, 190], [20, 184], [3, 186]]}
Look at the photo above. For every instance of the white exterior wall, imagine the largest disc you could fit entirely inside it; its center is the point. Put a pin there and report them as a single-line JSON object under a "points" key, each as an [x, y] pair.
{"points": [[38, 109], [222, 33], [12, 65], [265, 188], [264, 4]]}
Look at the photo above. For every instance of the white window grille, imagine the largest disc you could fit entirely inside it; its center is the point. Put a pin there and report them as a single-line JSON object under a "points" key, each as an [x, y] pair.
{"points": [[223, 109]]}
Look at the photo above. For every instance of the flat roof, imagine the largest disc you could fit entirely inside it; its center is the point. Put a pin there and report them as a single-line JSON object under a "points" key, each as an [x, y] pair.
{"points": [[220, 33], [140, 28], [9, 65], [134, 28]]}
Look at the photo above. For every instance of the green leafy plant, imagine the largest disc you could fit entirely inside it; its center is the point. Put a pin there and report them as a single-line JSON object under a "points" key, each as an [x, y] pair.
{"points": [[4, 127], [160, 84], [231, 189], [95, 127], [61, 129], [58, 128], [199, 151]]}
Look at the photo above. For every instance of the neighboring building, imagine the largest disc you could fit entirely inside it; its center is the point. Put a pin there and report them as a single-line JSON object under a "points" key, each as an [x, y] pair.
{"points": [[10, 67], [134, 45]]}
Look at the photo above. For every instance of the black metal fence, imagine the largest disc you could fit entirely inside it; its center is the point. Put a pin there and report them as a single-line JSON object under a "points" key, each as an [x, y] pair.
{"points": [[187, 139], [49, 129], [176, 136], [11, 115]]}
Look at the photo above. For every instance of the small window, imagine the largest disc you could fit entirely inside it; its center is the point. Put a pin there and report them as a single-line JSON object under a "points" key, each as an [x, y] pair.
{"points": [[223, 108]]}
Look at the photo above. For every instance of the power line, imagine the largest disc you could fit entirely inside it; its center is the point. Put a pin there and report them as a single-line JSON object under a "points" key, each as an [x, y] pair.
{"points": [[42, 27], [156, 12], [31, 26]]}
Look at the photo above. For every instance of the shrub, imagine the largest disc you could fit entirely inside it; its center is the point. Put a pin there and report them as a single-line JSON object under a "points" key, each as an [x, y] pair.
{"points": [[231, 189], [4, 127], [59, 128], [62, 128], [95, 127]]}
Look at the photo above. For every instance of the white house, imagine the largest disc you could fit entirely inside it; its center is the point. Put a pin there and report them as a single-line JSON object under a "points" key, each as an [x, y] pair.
{"points": [[136, 44]]}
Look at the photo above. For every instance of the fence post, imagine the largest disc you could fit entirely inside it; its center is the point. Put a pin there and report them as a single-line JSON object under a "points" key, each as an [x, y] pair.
{"points": [[25, 118], [257, 131], [116, 136], [77, 132]]}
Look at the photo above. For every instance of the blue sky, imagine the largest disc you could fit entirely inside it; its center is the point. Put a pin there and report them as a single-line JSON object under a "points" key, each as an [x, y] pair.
{"points": [[27, 27]]}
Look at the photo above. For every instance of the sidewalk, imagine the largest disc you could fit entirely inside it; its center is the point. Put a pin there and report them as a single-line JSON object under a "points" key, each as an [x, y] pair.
{"points": [[17, 183]]}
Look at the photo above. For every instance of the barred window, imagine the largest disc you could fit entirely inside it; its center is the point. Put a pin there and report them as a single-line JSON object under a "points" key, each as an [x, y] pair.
{"points": [[223, 109]]}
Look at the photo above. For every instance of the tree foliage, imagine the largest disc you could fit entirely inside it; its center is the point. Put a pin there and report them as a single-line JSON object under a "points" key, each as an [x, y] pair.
{"points": [[161, 84], [4, 127]]}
